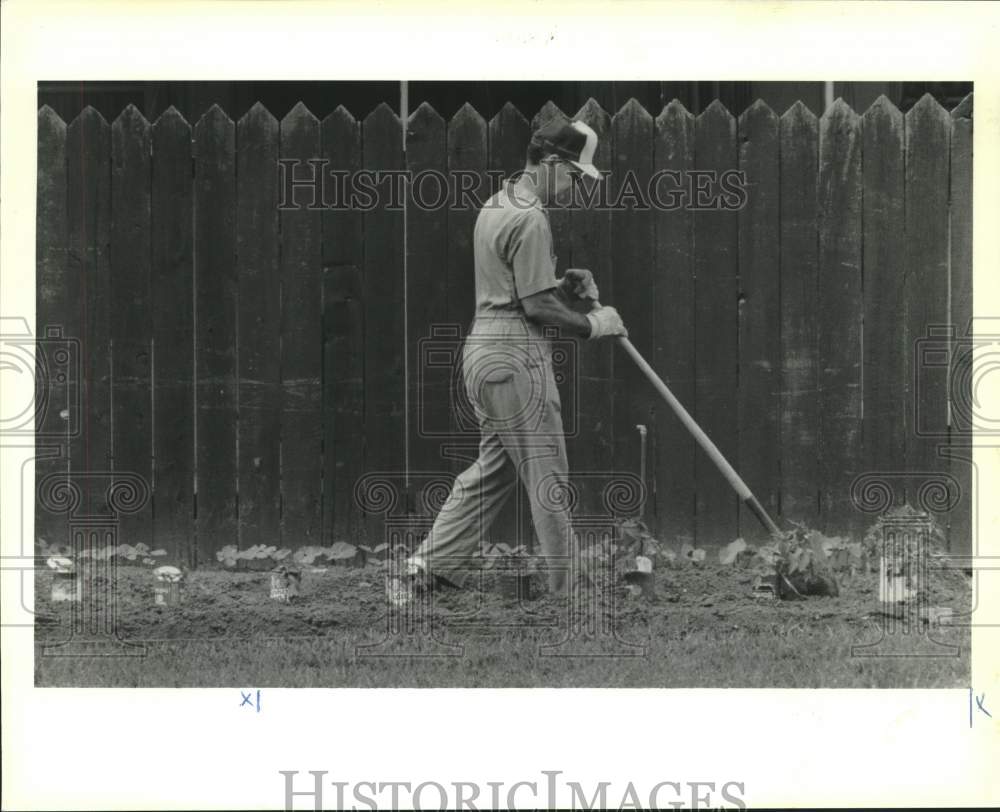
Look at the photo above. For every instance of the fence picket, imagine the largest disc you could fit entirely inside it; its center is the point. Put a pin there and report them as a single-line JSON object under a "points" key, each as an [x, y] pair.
{"points": [[716, 330], [257, 247], [385, 338], [838, 311], [301, 342], [343, 336], [131, 325], [509, 134], [759, 315], [54, 311], [928, 136], [799, 415], [673, 347], [884, 384], [88, 150], [427, 293], [216, 290], [172, 285], [961, 520], [632, 282]]}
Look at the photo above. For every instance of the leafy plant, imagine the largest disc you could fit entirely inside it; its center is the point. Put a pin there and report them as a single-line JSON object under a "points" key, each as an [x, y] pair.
{"points": [[800, 560], [634, 535], [341, 552], [633, 539], [137, 553], [379, 555], [305, 556]]}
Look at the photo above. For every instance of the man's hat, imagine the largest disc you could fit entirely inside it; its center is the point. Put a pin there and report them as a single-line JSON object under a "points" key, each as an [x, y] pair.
{"points": [[573, 141]]}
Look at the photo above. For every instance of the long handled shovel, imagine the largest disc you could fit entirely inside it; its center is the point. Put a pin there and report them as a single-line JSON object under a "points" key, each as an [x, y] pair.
{"points": [[733, 478]]}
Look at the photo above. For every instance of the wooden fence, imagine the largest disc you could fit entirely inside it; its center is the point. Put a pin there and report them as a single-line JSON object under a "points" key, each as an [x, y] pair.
{"points": [[254, 364]]}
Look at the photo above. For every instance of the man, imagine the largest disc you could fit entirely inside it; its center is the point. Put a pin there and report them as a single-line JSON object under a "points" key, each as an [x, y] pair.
{"points": [[507, 368]]}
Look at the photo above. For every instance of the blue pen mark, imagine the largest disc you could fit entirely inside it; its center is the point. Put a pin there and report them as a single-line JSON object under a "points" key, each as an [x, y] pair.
{"points": [[247, 699], [980, 702]]}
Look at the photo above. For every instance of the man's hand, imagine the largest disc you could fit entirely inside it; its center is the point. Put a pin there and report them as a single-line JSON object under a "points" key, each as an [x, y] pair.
{"points": [[605, 321], [549, 307], [579, 283]]}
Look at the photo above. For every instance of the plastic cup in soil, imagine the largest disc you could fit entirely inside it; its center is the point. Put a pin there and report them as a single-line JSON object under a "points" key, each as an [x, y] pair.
{"points": [[167, 585], [894, 592], [765, 588], [285, 584], [66, 585]]}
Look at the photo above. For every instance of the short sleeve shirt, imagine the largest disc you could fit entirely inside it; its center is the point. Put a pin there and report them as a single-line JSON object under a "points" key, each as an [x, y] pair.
{"points": [[513, 250]]}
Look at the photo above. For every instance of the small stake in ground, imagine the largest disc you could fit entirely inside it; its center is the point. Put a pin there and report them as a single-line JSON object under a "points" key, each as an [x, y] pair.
{"points": [[733, 478]]}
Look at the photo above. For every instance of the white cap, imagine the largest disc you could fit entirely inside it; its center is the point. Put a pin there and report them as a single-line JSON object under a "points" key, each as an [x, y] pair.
{"points": [[574, 142], [586, 162]]}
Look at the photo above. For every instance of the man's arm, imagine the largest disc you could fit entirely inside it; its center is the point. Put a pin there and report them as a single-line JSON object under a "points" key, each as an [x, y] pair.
{"points": [[550, 307]]}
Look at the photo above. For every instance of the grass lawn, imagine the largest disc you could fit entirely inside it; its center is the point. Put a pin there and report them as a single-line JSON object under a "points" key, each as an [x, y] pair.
{"points": [[703, 631]]}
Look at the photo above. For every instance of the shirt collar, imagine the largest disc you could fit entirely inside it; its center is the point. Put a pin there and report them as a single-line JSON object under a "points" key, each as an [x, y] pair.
{"points": [[524, 195]]}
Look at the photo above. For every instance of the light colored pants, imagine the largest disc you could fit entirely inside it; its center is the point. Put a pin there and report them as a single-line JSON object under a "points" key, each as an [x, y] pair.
{"points": [[507, 371]]}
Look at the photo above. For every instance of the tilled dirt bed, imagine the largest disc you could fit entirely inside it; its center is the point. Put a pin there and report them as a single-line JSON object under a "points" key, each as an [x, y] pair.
{"points": [[227, 604]]}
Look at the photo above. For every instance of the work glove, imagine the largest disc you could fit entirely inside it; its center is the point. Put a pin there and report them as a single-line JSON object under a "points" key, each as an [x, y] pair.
{"points": [[605, 321], [580, 283]]}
